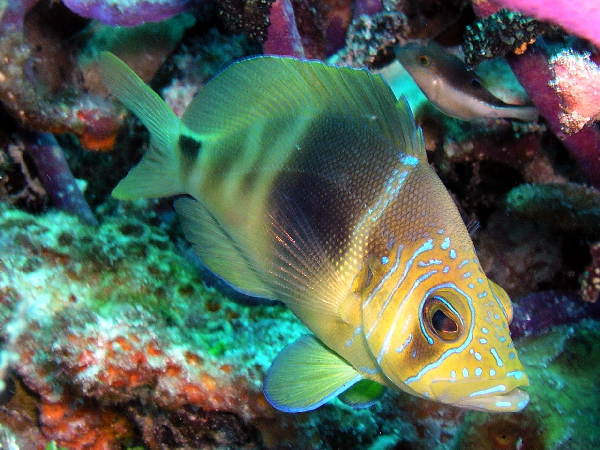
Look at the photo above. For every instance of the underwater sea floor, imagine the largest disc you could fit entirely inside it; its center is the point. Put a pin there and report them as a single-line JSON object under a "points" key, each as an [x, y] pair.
{"points": [[116, 341]]}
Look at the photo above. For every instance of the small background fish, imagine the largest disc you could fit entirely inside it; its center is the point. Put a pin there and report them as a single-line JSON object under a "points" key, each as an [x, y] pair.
{"points": [[457, 91]]}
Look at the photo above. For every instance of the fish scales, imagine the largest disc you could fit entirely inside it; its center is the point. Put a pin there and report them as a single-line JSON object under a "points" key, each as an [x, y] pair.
{"points": [[309, 184]]}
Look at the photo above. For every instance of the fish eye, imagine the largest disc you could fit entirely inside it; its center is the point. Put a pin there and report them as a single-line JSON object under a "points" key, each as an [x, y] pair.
{"points": [[442, 319], [475, 83], [424, 60]]}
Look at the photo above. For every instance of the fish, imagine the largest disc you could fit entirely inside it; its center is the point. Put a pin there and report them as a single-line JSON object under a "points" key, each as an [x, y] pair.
{"points": [[309, 183], [454, 89]]}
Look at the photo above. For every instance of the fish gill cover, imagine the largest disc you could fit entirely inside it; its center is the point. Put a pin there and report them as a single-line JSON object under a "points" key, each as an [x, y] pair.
{"points": [[114, 335]]}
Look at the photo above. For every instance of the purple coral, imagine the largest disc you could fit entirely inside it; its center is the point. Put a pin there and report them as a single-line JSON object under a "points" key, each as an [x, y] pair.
{"points": [[128, 14], [283, 37], [56, 176], [539, 312]]}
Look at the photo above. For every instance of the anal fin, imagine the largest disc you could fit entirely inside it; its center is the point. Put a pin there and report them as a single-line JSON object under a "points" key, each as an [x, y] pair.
{"points": [[305, 375], [219, 249]]}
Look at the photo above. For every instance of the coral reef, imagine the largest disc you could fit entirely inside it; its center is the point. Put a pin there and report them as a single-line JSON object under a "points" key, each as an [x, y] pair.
{"points": [[119, 352], [570, 206], [498, 34], [578, 17], [58, 180], [538, 313], [533, 71], [283, 35], [19, 181], [249, 17], [576, 81], [372, 38], [519, 255], [128, 14], [590, 278]]}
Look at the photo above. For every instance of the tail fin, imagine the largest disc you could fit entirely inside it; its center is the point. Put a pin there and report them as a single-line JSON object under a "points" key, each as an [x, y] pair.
{"points": [[157, 174]]}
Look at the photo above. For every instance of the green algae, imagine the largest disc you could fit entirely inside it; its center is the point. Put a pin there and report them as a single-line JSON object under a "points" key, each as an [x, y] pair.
{"points": [[563, 368], [569, 206]]}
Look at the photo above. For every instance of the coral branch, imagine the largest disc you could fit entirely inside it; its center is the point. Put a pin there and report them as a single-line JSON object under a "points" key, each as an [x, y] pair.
{"points": [[56, 176], [283, 37], [533, 71]]}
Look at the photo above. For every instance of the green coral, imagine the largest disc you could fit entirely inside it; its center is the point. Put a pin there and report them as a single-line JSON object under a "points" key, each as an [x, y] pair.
{"points": [[570, 206]]}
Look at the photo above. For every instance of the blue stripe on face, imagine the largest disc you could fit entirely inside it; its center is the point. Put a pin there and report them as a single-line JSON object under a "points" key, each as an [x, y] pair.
{"points": [[428, 245], [503, 404], [383, 280], [388, 337], [356, 333], [445, 244], [499, 388], [496, 357], [515, 373], [499, 303], [409, 160], [403, 346]]}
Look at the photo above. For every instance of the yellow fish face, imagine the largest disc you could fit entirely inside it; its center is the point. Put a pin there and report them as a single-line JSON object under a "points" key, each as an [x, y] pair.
{"points": [[455, 347]]}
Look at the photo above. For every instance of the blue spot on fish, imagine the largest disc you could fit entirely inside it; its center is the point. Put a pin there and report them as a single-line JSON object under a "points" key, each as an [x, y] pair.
{"points": [[445, 244], [409, 160], [503, 404], [515, 373]]}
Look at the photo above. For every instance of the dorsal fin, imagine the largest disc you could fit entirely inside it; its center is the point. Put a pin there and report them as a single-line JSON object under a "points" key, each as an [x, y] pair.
{"points": [[270, 87]]}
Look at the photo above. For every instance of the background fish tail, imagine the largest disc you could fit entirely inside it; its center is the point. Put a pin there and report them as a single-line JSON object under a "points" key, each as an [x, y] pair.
{"points": [[157, 175]]}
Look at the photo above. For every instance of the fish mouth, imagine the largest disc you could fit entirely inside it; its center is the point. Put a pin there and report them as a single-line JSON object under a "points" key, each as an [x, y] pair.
{"points": [[491, 396], [512, 401]]}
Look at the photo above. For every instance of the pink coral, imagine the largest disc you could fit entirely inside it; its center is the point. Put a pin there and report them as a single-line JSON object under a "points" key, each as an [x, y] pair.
{"points": [[577, 82], [580, 17], [533, 70]]}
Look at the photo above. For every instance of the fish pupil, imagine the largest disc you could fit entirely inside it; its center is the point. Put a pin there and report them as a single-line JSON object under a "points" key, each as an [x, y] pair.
{"points": [[441, 318], [476, 83], [424, 60], [442, 323]]}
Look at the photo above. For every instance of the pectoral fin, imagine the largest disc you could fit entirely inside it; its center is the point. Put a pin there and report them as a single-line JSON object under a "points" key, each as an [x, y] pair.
{"points": [[305, 375]]}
